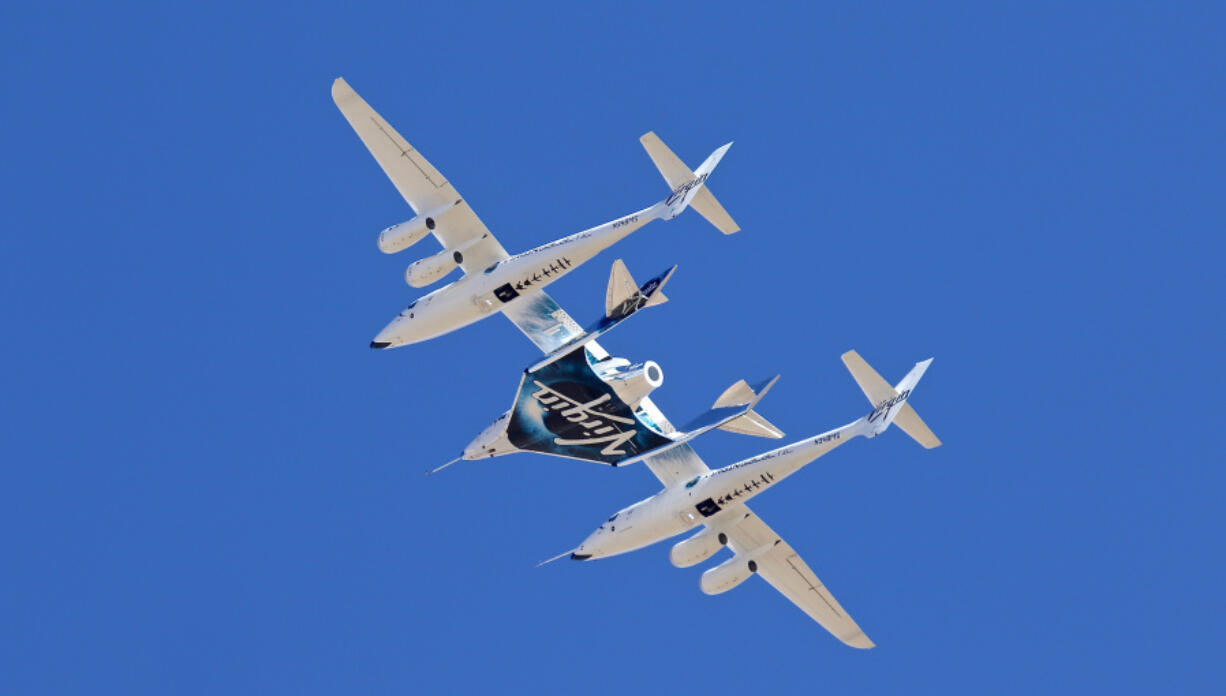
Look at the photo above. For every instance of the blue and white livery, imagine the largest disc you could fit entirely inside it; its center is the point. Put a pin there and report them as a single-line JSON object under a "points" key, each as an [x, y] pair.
{"points": [[695, 496], [495, 281]]}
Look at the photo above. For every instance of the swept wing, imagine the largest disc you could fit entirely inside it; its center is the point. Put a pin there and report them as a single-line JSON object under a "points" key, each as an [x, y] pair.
{"points": [[425, 189], [787, 572], [421, 185], [781, 566], [543, 321]]}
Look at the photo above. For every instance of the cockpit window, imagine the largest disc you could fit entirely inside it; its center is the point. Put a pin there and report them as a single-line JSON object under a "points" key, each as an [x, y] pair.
{"points": [[613, 517], [691, 483], [492, 267], [411, 305]]}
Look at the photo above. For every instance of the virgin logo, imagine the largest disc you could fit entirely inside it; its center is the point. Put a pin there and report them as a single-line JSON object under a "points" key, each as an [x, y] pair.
{"points": [[684, 189], [593, 427], [885, 406]]}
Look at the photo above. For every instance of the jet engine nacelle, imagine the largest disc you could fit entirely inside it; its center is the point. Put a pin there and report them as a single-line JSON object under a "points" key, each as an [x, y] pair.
{"points": [[697, 548], [730, 573], [634, 382], [406, 234], [425, 271]]}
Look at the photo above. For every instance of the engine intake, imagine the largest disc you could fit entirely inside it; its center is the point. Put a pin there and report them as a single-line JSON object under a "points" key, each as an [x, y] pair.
{"points": [[632, 383]]}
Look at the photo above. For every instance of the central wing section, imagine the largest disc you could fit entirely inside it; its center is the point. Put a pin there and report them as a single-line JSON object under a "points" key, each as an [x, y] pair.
{"points": [[580, 402], [543, 321], [676, 464], [556, 333]]}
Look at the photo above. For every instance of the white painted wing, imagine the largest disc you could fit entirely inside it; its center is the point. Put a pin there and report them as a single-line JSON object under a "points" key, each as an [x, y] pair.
{"points": [[544, 322], [421, 185], [676, 464], [787, 572]]}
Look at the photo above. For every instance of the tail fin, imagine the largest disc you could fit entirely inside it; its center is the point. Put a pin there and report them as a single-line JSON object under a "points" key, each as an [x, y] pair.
{"points": [[752, 422], [890, 403], [624, 296], [687, 186]]}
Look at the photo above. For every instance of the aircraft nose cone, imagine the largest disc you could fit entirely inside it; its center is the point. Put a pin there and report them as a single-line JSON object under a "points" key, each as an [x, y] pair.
{"points": [[379, 345], [580, 556]]}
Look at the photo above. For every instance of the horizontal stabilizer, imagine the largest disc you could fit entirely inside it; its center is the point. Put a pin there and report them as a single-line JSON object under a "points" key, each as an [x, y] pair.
{"points": [[752, 422], [679, 178], [890, 403], [674, 171], [911, 424], [738, 394], [718, 417], [706, 205], [871, 383]]}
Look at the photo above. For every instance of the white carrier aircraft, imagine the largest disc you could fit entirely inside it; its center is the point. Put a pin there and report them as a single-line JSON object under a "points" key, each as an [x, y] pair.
{"points": [[579, 402], [495, 281], [694, 495]]}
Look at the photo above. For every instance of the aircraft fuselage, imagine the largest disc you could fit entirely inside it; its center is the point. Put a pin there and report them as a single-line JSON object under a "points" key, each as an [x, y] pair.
{"points": [[481, 294], [709, 498]]}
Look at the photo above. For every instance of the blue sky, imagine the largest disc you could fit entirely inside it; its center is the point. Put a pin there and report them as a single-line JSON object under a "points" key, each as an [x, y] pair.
{"points": [[212, 485]]}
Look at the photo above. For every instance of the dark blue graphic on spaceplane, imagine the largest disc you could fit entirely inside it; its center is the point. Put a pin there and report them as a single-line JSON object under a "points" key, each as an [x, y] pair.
{"points": [[565, 409]]}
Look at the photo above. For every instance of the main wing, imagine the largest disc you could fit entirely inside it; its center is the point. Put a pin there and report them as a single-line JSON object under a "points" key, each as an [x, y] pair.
{"points": [[556, 333], [780, 566], [544, 322], [677, 464], [421, 185], [787, 572]]}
